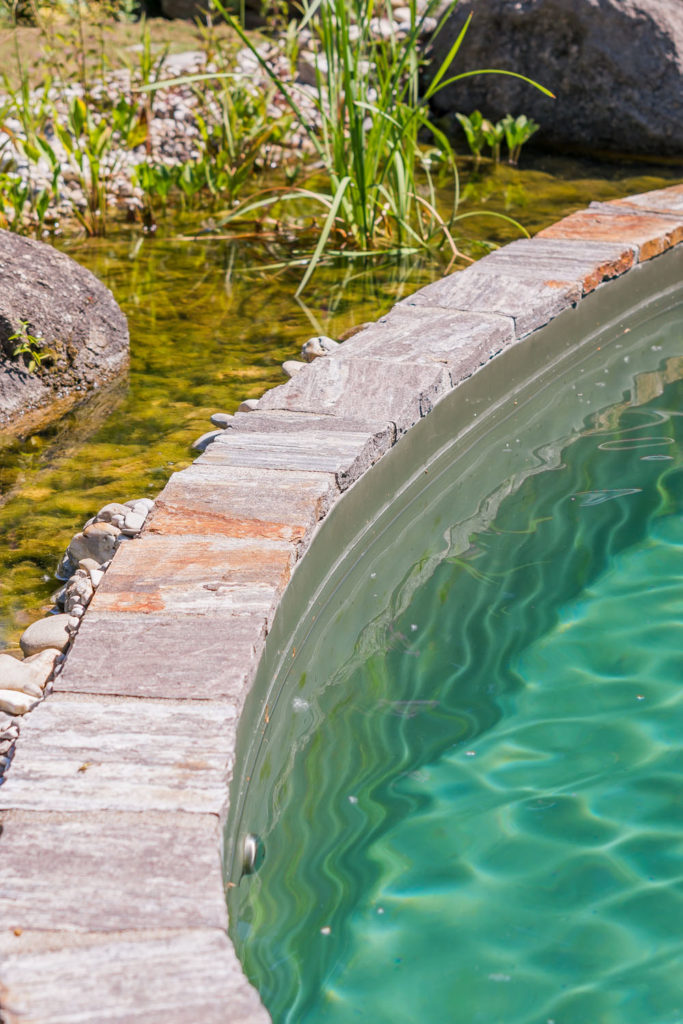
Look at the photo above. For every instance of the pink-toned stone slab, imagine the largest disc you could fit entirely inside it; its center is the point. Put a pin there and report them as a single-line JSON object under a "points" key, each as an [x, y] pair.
{"points": [[237, 501], [190, 977], [123, 755], [102, 871], [195, 574], [188, 657], [588, 263], [363, 389], [284, 421], [651, 233]]}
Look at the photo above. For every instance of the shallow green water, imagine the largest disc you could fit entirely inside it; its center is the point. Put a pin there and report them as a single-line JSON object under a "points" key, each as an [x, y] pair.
{"points": [[484, 821], [203, 338], [207, 330]]}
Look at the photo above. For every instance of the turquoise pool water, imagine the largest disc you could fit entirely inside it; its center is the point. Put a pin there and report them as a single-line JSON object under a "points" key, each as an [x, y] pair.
{"points": [[481, 818]]}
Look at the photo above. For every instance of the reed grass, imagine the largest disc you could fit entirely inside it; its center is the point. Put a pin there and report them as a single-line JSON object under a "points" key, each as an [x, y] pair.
{"points": [[379, 177]]}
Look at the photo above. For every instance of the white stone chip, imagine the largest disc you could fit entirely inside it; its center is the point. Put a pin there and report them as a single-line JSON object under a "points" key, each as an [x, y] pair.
{"points": [[28, 676], [147, 503], [134, 522], [319, 346], [111, 509], [96, 577], [15, 703]]}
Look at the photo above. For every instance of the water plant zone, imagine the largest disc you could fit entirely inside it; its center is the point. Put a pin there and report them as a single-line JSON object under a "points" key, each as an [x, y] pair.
{"points": [[320, 137]]}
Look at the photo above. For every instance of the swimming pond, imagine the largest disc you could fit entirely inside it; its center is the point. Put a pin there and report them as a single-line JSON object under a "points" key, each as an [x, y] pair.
{"points": [[468, 810]]}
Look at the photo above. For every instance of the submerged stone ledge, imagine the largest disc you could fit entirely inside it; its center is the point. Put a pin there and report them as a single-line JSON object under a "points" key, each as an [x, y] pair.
{"points": [[113, 905]]}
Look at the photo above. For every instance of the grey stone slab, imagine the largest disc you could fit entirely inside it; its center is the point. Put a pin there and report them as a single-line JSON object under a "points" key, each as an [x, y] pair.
{"points": [[530, 302], [283, 421], [589, 263], [363, 388], [461, 341], [188, 657], [195, 574], [346, 454], [661, 200], [104, 871], [191, 977], [123, 755], [243, 502]]}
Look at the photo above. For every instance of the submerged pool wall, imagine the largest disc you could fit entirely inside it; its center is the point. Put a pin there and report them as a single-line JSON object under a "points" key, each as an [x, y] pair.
{"points": [[115, 853]]}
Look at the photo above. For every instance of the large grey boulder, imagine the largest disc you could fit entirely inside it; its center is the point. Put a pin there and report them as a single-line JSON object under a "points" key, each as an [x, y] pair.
{"points": [[615, 66], [72, 312]]}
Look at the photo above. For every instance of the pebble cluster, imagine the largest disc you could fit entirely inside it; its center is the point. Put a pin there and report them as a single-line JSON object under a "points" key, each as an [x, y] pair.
{"points": [[24, 683]]}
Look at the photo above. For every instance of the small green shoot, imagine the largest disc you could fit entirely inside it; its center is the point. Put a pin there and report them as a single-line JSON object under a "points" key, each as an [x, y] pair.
{"points": [[31, 347], [518, 130]]}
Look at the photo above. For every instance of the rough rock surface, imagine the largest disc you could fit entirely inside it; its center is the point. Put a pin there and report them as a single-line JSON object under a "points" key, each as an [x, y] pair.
{"points": [[615, 66], [73, 314]]}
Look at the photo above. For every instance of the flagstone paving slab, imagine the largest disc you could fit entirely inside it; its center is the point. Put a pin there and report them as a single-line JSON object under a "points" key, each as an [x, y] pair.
{"points": [[461, 341], [652, 234], [662, 200], [242, 501], [195, 574], [588, 263], [104, 871], [363, 388], [123, 755], [190, 977], [205, 657], [515, 293], [346, 455]]}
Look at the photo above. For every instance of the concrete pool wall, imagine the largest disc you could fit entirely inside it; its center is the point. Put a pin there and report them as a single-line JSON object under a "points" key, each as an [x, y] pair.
{"points": [[113, 894]]}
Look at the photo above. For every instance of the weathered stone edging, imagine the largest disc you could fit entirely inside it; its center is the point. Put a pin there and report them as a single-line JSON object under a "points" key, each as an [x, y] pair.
{"points": [[113, 904]]}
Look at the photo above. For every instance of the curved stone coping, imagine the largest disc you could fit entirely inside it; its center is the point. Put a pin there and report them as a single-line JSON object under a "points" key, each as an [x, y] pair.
{"points": [[112, 903]]}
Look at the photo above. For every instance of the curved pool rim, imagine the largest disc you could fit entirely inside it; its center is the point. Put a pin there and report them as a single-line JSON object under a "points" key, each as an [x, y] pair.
{"points": [[357, 524], [113, 892]]}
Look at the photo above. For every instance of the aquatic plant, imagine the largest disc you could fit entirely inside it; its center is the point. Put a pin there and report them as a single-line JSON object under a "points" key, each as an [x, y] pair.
{"points": [[475, 132], [479, 131], [494, 135], [518, 130], [30, 346], [374, 178]]}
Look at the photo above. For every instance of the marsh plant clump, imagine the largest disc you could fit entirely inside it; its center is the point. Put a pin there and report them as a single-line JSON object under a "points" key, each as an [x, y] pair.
{"points": [[90, 140], [480, 131], [321, 137]]}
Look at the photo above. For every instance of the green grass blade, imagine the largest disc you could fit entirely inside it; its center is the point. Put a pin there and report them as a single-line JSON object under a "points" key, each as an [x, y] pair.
{"points": [[448, 60], [492, 71], [324, 234], [492, 213]]}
